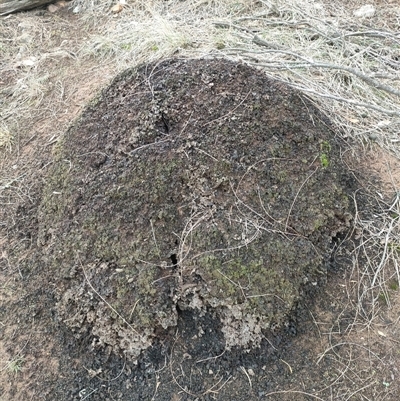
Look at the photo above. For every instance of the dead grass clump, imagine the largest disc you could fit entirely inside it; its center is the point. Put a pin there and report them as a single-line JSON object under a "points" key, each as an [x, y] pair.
{"points": [[6, 138], [376, 264], [145, 31], [362, 345]]}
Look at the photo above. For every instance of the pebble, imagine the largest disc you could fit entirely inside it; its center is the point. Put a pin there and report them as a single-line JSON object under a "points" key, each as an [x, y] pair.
{"points": [[52, 8], [366, 11]]}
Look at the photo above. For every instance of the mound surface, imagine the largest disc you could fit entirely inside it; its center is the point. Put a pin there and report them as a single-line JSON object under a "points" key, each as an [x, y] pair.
{"points": [[195, 184]]}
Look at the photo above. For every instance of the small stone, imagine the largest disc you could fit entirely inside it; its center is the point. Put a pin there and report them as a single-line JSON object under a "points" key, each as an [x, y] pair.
{"points": [[52, 8], [117, 8], [28, 62], [366, 11]]}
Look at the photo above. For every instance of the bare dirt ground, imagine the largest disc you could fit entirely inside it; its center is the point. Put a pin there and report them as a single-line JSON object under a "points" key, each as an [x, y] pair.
{"points": [[345, 345]]}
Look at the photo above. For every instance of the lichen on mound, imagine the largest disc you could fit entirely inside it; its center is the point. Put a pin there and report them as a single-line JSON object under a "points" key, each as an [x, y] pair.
{"points": [[191, 184]]}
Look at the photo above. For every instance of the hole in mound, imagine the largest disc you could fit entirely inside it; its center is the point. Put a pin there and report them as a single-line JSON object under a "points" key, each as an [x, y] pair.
{"points": [[174, 260]]}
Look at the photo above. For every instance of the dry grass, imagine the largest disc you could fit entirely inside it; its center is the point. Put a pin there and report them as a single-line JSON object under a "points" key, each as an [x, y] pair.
{"points": [[348, 67]]}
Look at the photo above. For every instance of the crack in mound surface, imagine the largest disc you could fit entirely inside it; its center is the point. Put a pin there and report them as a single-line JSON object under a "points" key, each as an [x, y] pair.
{"points": [[191, 184]]}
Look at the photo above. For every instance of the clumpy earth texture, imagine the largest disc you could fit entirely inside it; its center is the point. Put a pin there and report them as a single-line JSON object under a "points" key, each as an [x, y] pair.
{"points": [[191, 185]]}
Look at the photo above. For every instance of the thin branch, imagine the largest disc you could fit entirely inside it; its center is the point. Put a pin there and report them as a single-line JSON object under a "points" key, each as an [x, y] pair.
{"points": [[317, 64], [294, 392]]}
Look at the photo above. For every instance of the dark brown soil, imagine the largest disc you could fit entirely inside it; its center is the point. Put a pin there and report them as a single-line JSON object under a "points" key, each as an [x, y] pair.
{"points": [[183, 239], [191, 185]]}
